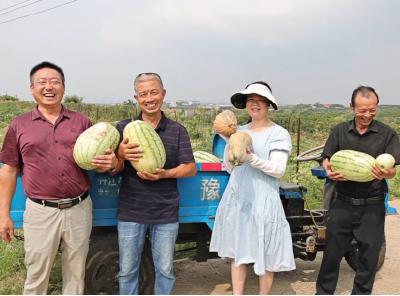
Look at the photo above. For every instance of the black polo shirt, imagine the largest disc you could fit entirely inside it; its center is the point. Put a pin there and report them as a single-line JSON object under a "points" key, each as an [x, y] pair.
{"points": [[154, 202], [378, 139]]}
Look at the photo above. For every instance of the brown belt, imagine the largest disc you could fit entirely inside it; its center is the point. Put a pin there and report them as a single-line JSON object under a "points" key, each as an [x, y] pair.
{"points": [[61, 205]]}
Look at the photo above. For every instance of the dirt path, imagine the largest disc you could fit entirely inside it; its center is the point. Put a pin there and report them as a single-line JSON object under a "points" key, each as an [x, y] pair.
{"points": [[213, 277]]}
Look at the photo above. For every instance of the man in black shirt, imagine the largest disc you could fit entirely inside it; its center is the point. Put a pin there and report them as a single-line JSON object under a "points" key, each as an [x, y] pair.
{"points": [[358, 211]]}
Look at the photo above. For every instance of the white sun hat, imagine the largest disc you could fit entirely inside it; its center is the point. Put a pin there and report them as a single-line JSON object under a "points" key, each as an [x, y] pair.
{"points": [[239, 98]]}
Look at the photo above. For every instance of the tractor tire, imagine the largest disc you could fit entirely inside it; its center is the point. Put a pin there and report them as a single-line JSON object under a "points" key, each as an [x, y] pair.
{"points": [[351, 257], [102, 267]]}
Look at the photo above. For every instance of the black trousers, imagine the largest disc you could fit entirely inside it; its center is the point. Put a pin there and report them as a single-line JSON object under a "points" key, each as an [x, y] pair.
{"points": [[366, 225]]}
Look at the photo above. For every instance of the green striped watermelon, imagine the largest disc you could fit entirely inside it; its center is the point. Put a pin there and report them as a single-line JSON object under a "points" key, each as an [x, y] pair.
{"points": [[353, 165], [94, 141], [154, 155], [202, 156]]}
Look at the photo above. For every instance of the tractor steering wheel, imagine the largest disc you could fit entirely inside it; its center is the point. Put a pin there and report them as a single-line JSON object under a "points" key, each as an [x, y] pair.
{"points": [[302, 156]]}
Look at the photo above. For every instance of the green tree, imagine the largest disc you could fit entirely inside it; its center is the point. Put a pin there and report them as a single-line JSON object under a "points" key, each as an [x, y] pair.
{"points": [[129, 102], [8, 98], [73, 99]]}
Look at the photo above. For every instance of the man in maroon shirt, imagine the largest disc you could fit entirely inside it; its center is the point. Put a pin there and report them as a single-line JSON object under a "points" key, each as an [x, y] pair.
{"points": [[39, 144]]}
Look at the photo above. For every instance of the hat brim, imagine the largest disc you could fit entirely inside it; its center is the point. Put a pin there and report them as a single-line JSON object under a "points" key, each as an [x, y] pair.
{"points": [[239, 99]]}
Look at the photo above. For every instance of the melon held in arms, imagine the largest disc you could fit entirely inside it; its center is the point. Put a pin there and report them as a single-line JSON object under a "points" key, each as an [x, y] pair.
{"points": [[225, 123], [356, 166], [94, 141], [385, 161], [237, 148], [154, 155]]}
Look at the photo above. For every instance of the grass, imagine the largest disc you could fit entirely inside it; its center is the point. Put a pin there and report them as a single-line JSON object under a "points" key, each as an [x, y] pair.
{"points": [[13, 272]]}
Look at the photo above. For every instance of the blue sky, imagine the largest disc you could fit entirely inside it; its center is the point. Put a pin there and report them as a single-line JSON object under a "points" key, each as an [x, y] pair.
{"points": [[308, 51]]}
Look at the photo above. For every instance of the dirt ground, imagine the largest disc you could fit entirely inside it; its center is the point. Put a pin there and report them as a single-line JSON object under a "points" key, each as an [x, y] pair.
{"points": [[213, 277]]}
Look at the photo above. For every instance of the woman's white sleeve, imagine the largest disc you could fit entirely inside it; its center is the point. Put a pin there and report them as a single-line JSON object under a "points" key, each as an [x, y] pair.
{"points": [[275, 167]]}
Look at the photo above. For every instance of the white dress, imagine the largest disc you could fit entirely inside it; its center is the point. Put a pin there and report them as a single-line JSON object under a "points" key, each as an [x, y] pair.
{"points": [[250, 224]]}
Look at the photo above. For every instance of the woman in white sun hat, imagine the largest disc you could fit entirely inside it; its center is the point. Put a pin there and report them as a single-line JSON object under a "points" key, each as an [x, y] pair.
{"points": [[250, 224]]}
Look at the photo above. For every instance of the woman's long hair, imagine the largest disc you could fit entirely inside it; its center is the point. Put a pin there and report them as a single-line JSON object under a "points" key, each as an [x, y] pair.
{"points": [[258, 82]]}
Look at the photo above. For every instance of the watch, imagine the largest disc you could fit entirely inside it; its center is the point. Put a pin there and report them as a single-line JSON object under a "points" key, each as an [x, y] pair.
{"points": [[112, 170]]}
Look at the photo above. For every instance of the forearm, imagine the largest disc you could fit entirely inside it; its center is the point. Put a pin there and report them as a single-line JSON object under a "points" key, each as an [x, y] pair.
{"points": [[275, 167], [8, 181], [391, 173], [182, 171]]}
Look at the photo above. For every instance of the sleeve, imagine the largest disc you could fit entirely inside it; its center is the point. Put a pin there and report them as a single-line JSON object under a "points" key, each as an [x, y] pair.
{"points": [[332, 144], [282, 142], [10, 153], [275, 167], [393, 147], [185, 154]]}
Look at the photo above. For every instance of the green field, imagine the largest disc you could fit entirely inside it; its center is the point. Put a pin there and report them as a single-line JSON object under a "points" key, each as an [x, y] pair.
{"points": [[315, 125]]}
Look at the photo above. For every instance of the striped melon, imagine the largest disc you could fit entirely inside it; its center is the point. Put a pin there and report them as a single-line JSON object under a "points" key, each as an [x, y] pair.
{"points": [[154, 155], [94, 141], [202, 156], [353, 165]]}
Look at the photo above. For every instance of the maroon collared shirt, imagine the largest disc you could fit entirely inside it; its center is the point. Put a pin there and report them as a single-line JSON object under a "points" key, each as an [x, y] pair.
{"points": [[43, 153]]}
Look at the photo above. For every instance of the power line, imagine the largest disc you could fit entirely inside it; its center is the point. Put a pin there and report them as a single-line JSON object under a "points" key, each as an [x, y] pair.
{"points": [[20, 7], [38, 12], [14, 5]]}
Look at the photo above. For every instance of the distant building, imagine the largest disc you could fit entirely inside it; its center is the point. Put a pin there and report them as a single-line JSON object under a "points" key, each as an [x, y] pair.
{"points": [[327, 105], [194, 103]]}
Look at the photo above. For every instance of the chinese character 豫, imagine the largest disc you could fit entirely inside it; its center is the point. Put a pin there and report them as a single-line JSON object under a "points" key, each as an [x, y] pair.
{"points": [[210, 189]]}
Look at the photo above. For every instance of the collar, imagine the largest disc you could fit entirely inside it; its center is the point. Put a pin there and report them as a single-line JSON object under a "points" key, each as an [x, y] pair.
{"points": [[36, 114], [372, 127], [162, 124]]}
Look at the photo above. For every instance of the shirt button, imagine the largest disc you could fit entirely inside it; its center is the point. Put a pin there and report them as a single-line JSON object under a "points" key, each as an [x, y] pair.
{"points": [[59, 158], [56, 141], [62, 175], [65, 191]]}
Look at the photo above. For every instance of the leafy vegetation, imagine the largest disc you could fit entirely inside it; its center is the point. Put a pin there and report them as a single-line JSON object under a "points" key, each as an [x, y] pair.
{"points": [[8, 98], [72, 99]]}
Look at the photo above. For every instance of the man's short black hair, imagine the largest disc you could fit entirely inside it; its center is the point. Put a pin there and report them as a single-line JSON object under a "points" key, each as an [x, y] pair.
{"points": [[45, 64], [365, 92]]}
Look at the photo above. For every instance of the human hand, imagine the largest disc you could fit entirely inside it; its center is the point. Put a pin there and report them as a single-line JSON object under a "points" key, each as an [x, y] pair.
{"points": [[160, 174], [6, 229], [105, 162], [129, 151], [335, 176], [379, 173]]}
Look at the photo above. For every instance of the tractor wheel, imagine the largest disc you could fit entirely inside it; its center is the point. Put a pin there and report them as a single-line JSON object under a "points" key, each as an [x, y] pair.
{"points": [[102, 267], [351, 257]]}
